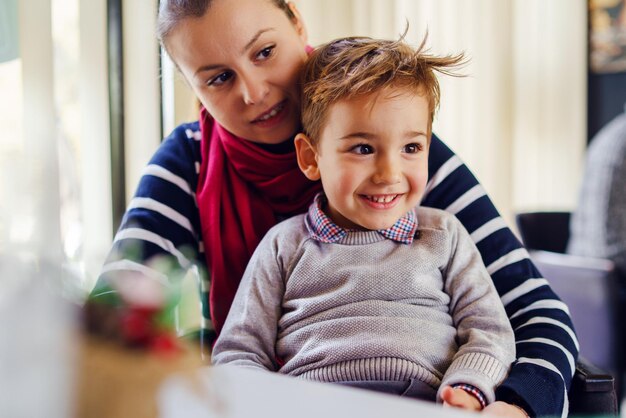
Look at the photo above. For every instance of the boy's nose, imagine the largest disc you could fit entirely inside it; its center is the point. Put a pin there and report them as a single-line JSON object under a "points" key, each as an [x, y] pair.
{"points": [[387, 171]]}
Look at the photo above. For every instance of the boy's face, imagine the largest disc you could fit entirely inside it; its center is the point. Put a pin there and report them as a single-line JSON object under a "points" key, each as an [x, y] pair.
{"points": [[372, 158]]}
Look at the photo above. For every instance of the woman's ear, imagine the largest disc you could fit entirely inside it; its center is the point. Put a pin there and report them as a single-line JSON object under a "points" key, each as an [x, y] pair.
{"points": [[307, 157], [298, 22]]}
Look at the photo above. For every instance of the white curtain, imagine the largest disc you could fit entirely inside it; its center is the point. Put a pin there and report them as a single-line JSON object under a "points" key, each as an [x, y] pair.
{"points": [[55, 204], [142, 100], [38, 173], [519, 117]]}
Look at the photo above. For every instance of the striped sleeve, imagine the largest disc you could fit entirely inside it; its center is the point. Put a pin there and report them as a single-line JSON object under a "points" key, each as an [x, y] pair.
{"points": [[546, 344], [161, 221]]}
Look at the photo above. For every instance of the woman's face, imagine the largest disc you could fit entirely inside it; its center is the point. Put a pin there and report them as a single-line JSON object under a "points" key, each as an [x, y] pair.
{"points": [[243, 59]]}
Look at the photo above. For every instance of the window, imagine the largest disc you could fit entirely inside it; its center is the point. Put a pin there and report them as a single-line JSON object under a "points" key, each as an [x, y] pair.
{"points": [[54, 164]]}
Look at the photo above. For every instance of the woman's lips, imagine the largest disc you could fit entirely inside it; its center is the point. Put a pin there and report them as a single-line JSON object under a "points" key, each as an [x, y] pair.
{"points": [[272, 116]]}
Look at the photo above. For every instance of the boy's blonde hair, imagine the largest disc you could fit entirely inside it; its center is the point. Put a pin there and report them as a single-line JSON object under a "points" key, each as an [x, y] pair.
{"points": [[349, 67]]}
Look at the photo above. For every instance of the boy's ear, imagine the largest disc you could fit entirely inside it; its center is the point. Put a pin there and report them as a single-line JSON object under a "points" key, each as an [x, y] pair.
{"points": [[307, 157]]}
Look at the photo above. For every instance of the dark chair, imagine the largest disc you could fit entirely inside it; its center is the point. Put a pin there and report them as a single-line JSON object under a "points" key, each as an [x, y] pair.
{"points": [[590, 288], [547, 231], [592, 392]]}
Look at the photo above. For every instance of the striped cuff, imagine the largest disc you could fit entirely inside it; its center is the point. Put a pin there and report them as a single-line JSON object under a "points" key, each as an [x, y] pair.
{"points": [[475, 392]]}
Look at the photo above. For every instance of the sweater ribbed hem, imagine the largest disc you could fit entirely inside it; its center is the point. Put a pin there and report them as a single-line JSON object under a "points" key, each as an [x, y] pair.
{"points": [[491, 367], [480, 370], [378, 368]]}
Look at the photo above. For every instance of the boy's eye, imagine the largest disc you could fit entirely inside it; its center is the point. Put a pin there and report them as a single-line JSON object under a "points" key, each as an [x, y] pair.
{"points": [[362, 149], [220, 79], [412, 148], [265, 53]]}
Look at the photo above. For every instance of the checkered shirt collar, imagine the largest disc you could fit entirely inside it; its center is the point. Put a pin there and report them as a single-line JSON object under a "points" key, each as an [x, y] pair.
{"points": [[323, 229]]}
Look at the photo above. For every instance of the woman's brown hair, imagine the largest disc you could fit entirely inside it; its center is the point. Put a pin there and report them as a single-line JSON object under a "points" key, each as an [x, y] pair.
{"points": [[173, 12]]}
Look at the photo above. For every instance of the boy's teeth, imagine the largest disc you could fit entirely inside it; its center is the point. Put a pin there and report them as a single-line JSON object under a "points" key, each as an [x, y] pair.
{"points": [[382, 199]]}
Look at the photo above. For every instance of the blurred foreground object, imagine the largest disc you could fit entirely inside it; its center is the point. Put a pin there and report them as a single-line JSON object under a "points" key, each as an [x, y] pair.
{"points": [[130, 348], [37, 347]]}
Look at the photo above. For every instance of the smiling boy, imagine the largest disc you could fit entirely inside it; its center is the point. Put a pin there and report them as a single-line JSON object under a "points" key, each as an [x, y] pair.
{"points": [[368, 289]]}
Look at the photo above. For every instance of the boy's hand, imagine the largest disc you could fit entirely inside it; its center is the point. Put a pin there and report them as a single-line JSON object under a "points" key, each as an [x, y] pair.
{"points": [[459, 398]]}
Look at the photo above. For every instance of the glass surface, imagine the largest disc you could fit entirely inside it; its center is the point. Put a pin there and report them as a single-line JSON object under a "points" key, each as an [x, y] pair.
{"points": [[22, 182]]}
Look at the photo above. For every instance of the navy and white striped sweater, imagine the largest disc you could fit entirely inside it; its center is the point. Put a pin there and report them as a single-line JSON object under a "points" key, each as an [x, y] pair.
{"points": [[162, 219]]}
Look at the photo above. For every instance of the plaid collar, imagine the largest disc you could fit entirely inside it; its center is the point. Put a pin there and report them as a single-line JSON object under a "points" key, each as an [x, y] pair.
{"points": [[323, 229]]}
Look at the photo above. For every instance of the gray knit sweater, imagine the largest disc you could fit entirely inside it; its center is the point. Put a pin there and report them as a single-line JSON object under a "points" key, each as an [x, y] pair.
{"points": [[369, 308]]}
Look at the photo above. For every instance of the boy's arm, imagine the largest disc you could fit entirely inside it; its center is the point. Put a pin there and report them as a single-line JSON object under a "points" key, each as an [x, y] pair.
{"points": [[484, 335], [159, 233], [545, 341], [248, 337]]}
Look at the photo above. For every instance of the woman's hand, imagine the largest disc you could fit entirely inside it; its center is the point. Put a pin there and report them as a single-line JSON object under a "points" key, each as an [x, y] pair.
{"points": [[458, 398], [503, 409]]}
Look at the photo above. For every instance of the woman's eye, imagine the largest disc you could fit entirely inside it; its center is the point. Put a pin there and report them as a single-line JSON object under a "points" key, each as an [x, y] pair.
{"points": [[412, 148], [220, 79], [362, 149], [265, 53]]}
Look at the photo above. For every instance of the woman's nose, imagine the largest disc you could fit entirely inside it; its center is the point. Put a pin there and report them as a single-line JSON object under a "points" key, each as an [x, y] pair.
{"points": [[254, 89], [388, 171]]}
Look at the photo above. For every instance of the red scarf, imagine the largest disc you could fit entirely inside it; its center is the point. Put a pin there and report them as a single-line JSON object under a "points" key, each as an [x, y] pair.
{"points": [[241, 190]]}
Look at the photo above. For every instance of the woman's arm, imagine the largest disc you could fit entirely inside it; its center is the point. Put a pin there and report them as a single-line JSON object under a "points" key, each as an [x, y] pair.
{"points": [[546, 345], [159, 233]]}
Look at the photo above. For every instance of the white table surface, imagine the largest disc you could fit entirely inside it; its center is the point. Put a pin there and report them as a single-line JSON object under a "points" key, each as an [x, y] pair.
{"points": [[236, 392]]}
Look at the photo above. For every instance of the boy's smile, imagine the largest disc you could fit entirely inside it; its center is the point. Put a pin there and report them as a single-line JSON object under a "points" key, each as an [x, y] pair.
{"points": [[372, 158], [381, 201]]}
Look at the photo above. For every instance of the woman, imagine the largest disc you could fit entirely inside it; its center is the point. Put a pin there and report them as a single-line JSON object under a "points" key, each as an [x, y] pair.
{"points": [[208, 196]]}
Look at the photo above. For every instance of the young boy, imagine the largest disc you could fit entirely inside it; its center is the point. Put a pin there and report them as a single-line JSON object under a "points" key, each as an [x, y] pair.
{"points": [[368, 289]]}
